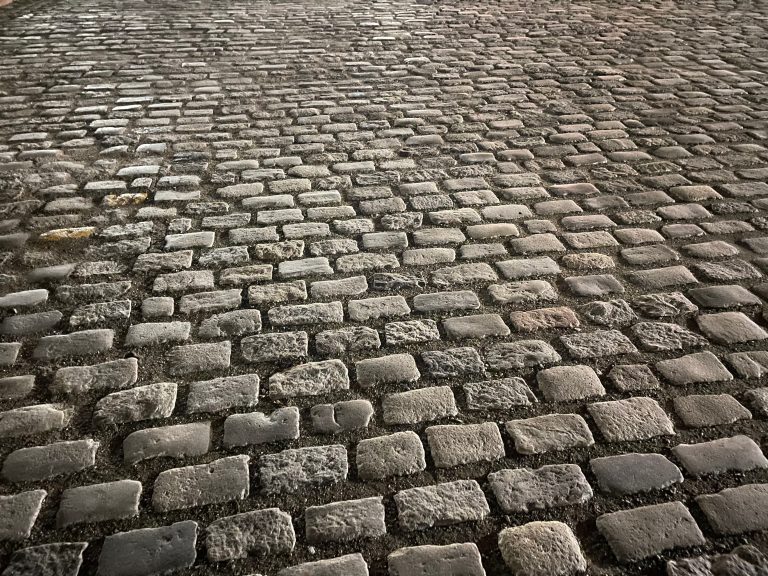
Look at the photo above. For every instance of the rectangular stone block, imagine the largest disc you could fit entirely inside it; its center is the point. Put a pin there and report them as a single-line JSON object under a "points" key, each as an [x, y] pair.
{"points": [[343, 521], [151, 550], [223, 393], [450, 560], [649, 530], [452, 444], [263, 532], [736, 510], [310, 379], [441, 505], [302, 468], [99, 503], [220, 481]]}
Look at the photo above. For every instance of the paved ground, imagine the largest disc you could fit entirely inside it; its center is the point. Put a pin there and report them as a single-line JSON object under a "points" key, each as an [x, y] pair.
{"points": [[415, 288]]}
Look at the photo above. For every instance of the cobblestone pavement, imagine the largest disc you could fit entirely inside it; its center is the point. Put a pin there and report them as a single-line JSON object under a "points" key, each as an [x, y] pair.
{"points": [[418, 288]]}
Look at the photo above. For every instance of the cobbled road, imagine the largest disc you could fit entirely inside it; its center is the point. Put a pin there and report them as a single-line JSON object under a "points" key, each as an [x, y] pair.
{"points": [[393, 287]]}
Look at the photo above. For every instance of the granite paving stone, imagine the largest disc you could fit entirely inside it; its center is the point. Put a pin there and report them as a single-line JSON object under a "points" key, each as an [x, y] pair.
{"points": [[440, 505], [151, 550], [61, 558], [542, 549], [736, 510], [634, 473], [641, 532], [738, 453], [430, 560], [275, 268], [636, 418]]}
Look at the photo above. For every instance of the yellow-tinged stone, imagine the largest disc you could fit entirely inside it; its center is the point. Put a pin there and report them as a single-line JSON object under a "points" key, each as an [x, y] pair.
{"points": [[114, 200], [68, 233]]}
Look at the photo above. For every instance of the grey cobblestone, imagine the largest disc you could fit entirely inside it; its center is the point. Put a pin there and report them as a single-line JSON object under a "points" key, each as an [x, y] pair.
{"points": [[543, 218], [441, 505], [268, 531], [151, 550], [220, 481]]}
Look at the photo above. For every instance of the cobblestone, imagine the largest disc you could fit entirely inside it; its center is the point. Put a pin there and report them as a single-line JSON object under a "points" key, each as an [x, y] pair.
{"points": [[642, 532], [441, 505], [417, 223]]}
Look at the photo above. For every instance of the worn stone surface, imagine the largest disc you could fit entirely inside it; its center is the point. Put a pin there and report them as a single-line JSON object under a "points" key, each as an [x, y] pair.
{"points": [[631, 419], [398, 454], [43, 462], [60, 559], [309, 379], [429, 560], [736, 454], [541, 549], [551, 432], [633, 473], [220, 481], [451, 445], [348, 520], [303, 468], [262, 532], [99, 502], [151, 550], [736, 510], [641, 532], [523, 489], [450, 239], [19, 513], [441, 505]]}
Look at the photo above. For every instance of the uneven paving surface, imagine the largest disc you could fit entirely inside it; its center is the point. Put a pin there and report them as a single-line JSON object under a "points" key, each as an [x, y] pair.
{"points": [[409, 288]]}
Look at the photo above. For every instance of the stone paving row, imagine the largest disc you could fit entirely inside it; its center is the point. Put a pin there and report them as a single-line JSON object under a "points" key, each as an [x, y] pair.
{"points": [[414, 288]]}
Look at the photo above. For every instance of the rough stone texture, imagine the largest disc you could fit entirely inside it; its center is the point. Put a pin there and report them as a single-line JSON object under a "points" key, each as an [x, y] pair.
{"points": [[736, 510], [631, 419], [503, 394], [99, 502], [151, 550], [223, 393], [18, 514], [541, 549], [523, 489], [220, 481], [345, 222], [698, 368], [143, 403], [641, 532], [742, 561], [441, 505], [309, 379], [633, 473], [451, 445], [60, 559], [398, 454], [429, 560], [276, 346], [351, 564], [262, 532], [563, 383], [342, 521], [549, 433], [32, 420], [303, 468], [194, 358]]}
